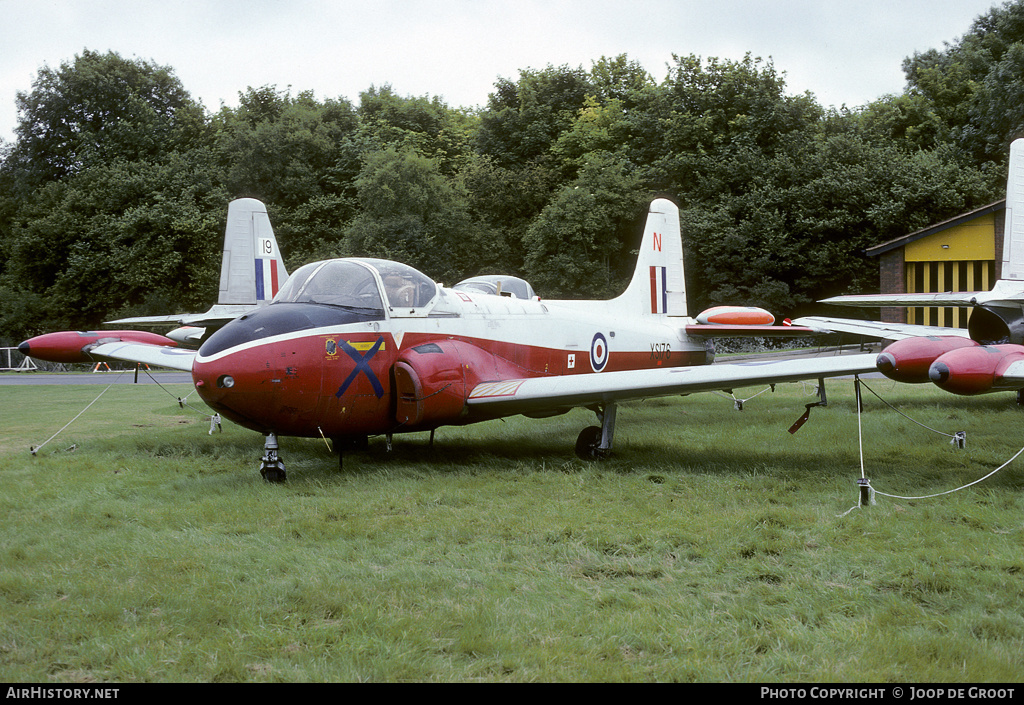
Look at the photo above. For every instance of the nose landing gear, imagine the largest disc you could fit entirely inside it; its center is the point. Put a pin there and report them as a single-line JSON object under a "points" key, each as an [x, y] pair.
{"points": [[271, 465]]}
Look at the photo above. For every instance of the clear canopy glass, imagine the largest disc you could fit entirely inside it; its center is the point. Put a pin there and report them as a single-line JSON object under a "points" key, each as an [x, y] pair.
{"points": [[350, 283]]}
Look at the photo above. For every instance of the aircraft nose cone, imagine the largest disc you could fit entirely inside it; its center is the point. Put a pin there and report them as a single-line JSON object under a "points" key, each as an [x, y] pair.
{"points": [[24, 348], [938, 372], [885, 363]]}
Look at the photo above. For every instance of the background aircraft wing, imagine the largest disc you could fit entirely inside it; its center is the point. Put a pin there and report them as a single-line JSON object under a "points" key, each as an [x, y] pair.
{"points": [[1013, 375], [877, 329], [541, 394], [143, 353], [218, 315], [948, 298], [1005, 292]]}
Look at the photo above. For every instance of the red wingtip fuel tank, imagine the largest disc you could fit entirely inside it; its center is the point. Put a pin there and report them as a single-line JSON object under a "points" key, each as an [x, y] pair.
{"points": [[736, 315], [72, 346], [908, 360], [977, 370]]}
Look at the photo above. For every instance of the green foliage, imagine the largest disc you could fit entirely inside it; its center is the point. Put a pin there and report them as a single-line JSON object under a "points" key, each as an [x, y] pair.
{"points": [[100, 108], [819, 204], [524, 119], [410, 213], [424, 125], [972, 88], [579, 245], [297, 155], [107, 198], [112, 197], [285, 151], [146, 231]]}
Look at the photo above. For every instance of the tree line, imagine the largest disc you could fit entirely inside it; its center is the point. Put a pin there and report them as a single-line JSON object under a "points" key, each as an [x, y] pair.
{"points": [[114, 192]]}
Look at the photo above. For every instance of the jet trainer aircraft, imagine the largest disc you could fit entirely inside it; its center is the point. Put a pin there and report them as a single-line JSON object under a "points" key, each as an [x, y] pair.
{"points": [[986, 357], [355, 347]]}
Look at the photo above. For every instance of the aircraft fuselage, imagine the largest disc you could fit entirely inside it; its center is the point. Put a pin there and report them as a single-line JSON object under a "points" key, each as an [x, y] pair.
{"points": [[397, 373]]}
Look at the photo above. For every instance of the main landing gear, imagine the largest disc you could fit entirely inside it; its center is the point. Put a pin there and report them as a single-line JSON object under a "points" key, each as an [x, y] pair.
{"points": [[271, 465], [595, 442]]}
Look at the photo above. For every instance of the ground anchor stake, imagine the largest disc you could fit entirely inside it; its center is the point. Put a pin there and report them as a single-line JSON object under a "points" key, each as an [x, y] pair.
{"points": [[867, 493]]}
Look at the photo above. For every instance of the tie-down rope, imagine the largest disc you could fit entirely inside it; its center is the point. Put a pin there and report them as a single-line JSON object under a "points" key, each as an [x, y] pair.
{"points": [[868, 492]]}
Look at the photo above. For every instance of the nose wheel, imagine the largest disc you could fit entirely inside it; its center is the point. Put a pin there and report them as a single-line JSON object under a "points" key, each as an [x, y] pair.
{"points": [[271, 465]]}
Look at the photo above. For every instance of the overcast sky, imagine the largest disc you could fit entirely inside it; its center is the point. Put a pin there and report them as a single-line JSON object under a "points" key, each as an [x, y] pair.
{"points": [[843, 51]]}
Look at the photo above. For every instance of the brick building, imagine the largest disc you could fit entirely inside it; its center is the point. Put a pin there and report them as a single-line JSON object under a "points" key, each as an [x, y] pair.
{"points": [[960, 254]]}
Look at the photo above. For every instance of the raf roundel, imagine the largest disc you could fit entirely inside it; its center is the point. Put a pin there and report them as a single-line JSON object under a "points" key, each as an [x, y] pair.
{"points": [[598, 352]]}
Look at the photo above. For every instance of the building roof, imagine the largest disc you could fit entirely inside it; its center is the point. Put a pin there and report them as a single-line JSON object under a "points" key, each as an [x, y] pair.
{"points": [[936, 228]]}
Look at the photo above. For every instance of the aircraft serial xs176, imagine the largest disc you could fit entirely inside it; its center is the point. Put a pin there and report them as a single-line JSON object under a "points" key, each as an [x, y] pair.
{"points": [[355, 347], [986, 357]]}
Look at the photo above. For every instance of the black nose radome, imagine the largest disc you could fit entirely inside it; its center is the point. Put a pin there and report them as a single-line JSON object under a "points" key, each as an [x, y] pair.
{"points": [[885, 363], [938, 372]]}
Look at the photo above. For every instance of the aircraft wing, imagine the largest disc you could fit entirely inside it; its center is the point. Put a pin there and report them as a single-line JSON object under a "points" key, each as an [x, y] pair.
{"points": [[718, 330], [1005, 292], [145, 354], [218, 315], [948, 298], [1014, 374], [540, 394], [878, 329]]}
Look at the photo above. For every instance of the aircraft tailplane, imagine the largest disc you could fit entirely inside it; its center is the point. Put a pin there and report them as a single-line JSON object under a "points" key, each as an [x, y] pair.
{"points": [[658, 286], [252, 270]]}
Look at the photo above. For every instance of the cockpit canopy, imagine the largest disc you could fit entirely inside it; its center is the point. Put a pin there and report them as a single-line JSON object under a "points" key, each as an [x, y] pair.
{"points": [[332, 293], [497, 284], [350, 283], [404, 286]]}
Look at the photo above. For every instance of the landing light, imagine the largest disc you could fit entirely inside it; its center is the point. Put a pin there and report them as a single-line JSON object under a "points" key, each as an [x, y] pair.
{"points": [[225, 381]]}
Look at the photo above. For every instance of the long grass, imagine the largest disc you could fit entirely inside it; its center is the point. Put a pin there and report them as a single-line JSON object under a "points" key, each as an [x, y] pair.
{"points": [[713, 546]]}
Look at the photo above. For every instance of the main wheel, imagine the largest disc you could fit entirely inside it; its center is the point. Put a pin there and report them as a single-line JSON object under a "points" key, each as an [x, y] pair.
{"points": [[588, 444]]}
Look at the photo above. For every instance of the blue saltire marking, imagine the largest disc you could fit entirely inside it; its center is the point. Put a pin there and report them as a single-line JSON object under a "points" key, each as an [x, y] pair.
{"points": [[362, 365]]}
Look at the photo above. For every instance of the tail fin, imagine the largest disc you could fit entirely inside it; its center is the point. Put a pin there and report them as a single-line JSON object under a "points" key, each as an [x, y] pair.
{"points": [[252, 270], [1013, 239], [658, 286]]}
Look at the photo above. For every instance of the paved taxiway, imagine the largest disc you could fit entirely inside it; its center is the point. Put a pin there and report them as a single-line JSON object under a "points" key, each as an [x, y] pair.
{"points": [[127, 377]]}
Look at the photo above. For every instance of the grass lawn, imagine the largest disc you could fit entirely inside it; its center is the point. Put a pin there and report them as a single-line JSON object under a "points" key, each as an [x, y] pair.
{"points": [[713, 546]]}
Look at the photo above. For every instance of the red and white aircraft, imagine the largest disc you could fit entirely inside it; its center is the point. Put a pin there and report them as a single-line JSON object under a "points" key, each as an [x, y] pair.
{"points": [[355, 347], [987, 356]]}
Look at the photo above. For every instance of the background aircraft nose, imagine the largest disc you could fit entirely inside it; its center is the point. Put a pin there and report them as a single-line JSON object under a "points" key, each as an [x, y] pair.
{"points": [[938, 372], [885, 363]]}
